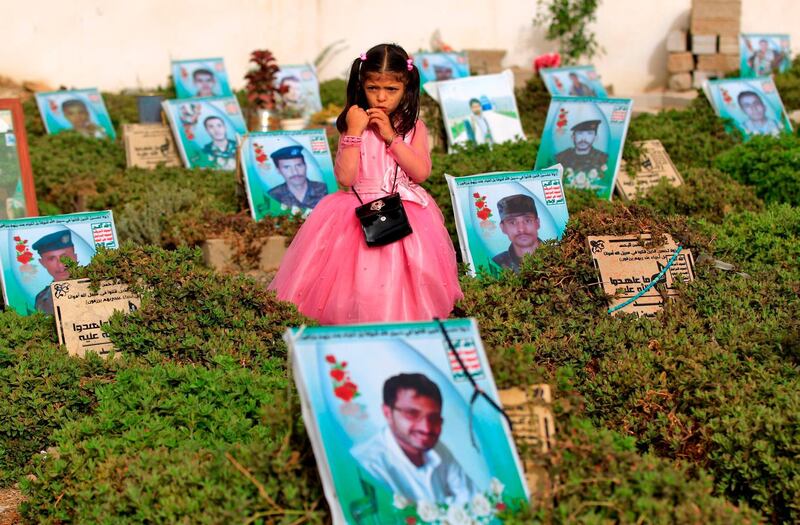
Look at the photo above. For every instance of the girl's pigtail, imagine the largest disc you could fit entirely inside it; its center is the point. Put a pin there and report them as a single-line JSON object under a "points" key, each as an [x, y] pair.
{"points": [[408, 111], [353, 89]]}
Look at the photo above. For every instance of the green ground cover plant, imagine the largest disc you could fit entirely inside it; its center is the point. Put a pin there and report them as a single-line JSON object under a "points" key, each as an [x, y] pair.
{"points": [[771, 166], [692, 416], [788, 85]]}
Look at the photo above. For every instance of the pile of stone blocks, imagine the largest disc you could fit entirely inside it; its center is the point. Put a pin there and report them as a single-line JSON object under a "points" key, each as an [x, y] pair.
{"points": [[485, 61], [710, 48]]}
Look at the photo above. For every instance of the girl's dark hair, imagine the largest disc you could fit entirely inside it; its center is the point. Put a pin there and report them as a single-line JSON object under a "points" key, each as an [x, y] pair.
{"points": [[384, 58]]}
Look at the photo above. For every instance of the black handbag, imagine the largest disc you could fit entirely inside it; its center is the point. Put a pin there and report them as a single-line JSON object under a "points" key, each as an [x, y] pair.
{"points": [[383, 220]]}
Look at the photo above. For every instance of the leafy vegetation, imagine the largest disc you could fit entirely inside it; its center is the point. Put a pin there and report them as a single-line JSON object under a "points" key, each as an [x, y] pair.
{"points": [[568, 23], [692, 416]]}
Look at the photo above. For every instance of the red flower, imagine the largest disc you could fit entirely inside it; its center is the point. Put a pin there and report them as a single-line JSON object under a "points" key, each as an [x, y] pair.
{"points": [[476, 195], [337, 374], [20, 247], [484, 214], [411, 520], [546, 60], [17, 238], [501, 506], [480, 204], [329, 358], [346, 392], [25, 258], [344, 364]]}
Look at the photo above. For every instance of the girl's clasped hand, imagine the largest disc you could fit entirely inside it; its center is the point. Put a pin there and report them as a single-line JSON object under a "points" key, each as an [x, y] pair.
{"points": [[380, 120], [358, 119]]}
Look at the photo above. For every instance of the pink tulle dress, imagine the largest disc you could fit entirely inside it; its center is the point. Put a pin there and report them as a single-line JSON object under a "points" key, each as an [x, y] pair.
{"points": [[331, 274]]}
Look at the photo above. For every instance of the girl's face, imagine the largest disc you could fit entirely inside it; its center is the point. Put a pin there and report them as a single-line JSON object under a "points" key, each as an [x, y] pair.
{"points": [[384, 91]]}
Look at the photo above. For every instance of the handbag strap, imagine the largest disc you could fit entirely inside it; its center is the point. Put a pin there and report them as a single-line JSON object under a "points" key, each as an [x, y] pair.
{"points": [[477, 391], [394, 184]]}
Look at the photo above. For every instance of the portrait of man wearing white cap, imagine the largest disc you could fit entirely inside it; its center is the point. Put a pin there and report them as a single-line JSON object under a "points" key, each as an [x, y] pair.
{"points": [[583, 157]]}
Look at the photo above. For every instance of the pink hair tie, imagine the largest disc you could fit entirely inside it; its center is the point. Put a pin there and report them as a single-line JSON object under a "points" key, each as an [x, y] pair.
{"points": [[363, 57], [410, 63]]}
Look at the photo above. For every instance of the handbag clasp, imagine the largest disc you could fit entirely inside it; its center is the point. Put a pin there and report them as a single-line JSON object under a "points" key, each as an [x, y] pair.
{"points": [[377, 205]]}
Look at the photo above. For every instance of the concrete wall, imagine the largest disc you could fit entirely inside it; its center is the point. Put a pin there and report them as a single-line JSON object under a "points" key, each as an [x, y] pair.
{"points": [[115, 44]]}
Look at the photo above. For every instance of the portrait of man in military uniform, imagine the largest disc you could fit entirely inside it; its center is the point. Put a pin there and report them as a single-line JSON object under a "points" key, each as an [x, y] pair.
{"points": [[221, 151], [205, 82], [519, 221], [297, 191], [765, 60], [52, 248], [583, 157]]}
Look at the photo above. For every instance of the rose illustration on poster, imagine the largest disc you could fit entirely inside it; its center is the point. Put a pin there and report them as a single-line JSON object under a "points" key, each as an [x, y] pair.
{"points": [[23, 252], [484, 213]]}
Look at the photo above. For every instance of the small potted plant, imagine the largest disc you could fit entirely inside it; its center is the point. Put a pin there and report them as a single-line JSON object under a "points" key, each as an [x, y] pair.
{"points": [[262, 92], [327, 118], [291, 116]]}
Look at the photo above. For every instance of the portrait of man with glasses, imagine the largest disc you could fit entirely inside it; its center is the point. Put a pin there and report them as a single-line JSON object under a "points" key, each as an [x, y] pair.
{"points": [[407, 454]]}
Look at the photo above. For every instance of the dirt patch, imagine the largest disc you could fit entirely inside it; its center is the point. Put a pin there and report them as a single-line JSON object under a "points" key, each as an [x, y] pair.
{"points": [[9, 502], [25, 90]]}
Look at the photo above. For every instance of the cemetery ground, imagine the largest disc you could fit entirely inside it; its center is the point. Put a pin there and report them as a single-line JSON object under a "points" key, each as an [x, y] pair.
{"points": [[692, 416]]}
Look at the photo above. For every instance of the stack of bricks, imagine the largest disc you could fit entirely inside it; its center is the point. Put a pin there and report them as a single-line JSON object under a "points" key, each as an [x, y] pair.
{"points": [[710, 49]]}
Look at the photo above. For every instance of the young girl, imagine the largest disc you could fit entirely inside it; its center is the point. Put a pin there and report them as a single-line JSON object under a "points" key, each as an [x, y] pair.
{"points": [[329, 272]]}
